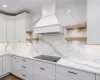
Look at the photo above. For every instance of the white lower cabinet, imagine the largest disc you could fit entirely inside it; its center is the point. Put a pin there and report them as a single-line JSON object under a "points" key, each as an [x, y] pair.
{"points": [[33, 70], [0, 66], [63, 73], [6, 64], [13, 28], [44, 69], [29, 69], [18, 67], [40, 71]]}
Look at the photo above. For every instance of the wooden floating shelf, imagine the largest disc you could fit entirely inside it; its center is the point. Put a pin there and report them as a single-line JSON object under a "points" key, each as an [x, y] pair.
{"points": [[29, 31], [76, 38], [79, 26], [31, 39]]}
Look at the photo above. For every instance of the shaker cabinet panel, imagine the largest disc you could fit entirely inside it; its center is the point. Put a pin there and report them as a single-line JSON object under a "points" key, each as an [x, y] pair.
{"points": [[18, 67], [13, 28], [20, 30], [2, 30], [11, 31]]}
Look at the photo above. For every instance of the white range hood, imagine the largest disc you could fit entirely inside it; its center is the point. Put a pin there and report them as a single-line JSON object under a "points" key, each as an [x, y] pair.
{"points": [[48, 22]]}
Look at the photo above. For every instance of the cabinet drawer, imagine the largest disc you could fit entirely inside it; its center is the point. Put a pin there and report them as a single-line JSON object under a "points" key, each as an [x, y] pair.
{"points": [[44, 68], [19, 59], [79, 75]]}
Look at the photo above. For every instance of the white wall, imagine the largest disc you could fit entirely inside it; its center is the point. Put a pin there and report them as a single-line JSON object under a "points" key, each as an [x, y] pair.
{"points": [[77, 10]]}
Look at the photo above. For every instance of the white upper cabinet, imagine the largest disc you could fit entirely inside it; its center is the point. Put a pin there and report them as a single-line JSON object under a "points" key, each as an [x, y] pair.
{"points": [[2, 30], [20, 30], [22, 23], [13, 28], [10, 30], [93, 21]]}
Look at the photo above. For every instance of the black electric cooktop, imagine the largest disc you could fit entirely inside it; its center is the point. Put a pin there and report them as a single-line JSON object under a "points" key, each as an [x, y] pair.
{"points": [[48, 58]]}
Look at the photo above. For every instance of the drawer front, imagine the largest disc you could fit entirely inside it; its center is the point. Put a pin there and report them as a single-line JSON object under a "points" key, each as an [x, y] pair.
{"points": [[16, 58], [18, 65], [19, 73], [79, 75], [37, 76], [19, 59], [44, 68]]}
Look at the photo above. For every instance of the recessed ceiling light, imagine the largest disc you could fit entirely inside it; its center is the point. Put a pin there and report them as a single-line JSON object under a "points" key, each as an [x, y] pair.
{"points": [[4, 6]]}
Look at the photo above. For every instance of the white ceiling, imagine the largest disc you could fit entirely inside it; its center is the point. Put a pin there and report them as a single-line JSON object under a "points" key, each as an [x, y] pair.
{"points": [[16, 6]]}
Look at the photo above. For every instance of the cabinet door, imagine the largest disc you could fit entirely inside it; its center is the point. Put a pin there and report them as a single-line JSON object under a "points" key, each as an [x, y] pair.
{"points": [[2, 30], [6, 64], [0, 66], [93, 22], [63, 73], [20, 30], [10, 31]]}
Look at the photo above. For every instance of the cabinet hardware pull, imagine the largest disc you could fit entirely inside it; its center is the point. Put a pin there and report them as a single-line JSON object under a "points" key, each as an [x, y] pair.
{"points": [[23, 59], [42, 69], [23, 75], [72, 72], [23, 66]]}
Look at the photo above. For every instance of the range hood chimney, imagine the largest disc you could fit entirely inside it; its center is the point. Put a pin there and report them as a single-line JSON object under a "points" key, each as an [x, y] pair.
{"points": [[48, 22]]}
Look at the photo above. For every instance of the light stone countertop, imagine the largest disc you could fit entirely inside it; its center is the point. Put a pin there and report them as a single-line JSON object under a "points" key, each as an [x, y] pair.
{"points": [[80, 65], [71, 63]]}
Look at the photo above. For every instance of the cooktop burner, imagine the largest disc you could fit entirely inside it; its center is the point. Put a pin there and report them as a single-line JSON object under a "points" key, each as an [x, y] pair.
{"points": [[48, 58]]}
